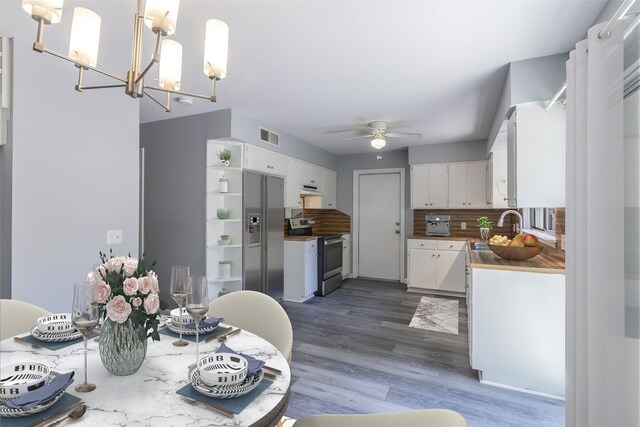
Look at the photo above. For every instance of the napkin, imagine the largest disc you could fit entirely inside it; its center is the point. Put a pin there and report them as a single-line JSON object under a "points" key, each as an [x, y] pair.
{"points": [[254, 365], [41, 395], [205, 323]]}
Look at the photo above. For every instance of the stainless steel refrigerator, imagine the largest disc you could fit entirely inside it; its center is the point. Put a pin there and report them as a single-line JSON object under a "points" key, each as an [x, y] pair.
{"points": [[263, 253]]}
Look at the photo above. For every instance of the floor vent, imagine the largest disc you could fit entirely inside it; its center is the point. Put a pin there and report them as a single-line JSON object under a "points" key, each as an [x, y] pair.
{"points": [[269, 137]]}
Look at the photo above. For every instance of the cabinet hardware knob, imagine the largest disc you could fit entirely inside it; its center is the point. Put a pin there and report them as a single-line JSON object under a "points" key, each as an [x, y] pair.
{"points": [[433, 255], [426, 204]]}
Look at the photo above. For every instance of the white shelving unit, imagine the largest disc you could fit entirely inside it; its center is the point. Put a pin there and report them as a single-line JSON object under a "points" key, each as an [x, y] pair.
{"points": [[232, 226]]}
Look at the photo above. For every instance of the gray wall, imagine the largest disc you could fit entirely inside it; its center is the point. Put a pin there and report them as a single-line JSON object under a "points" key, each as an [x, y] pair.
{"points": [[530, 80], [75, 171], [245, 128], [175, 188], [175, 181], [465, 151]]}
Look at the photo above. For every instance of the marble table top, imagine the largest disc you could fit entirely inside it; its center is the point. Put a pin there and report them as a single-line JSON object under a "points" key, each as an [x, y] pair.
{"points": [[148, 397]]}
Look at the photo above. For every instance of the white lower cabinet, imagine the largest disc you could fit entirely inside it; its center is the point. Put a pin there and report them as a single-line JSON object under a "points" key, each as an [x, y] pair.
{"points": [[436, 265], [346, 255], [301, 270]]}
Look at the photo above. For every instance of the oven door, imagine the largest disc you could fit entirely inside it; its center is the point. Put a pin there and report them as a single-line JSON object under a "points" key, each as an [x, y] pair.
{"points": [[332, 257]]}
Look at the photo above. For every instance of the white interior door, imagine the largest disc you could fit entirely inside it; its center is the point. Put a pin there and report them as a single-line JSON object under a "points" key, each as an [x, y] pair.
{"points": [[379, 211]]}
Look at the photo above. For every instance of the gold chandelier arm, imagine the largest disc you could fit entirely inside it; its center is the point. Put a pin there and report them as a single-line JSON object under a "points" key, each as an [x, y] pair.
{"points": [[179, 92], [102, 86], [154, 59], [164, 107], [66, 58]]}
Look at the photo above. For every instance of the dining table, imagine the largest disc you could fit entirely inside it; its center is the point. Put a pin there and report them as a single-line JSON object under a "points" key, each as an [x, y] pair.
{"points": [[148, 397]]}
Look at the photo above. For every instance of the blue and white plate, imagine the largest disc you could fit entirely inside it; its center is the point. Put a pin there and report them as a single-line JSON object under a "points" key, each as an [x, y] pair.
{"points": [[226, 391], [189, 331], [11, 412], [55, 336]]}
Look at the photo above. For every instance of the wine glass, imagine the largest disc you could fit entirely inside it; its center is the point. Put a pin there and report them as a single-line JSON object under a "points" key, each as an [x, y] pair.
{"points": [[179, 287], [85, 315], [197, 303]]}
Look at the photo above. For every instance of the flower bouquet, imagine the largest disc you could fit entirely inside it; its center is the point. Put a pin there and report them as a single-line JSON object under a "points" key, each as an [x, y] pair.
{"points": [[127, 289]]}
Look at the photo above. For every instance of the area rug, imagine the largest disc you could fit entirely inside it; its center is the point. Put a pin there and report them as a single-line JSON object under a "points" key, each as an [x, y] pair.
{"points": [[436, 314]]}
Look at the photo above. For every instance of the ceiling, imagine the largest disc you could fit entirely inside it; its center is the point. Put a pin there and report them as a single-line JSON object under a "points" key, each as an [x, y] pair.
{"points": [[317, 68]]}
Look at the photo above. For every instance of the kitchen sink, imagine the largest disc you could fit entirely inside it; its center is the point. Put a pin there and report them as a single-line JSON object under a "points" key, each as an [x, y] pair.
{"points": [[478, 246]]}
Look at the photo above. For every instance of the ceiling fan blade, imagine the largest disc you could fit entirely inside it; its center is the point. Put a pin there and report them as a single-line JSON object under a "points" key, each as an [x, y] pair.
{"points": [[403, 135], [356, 137]]}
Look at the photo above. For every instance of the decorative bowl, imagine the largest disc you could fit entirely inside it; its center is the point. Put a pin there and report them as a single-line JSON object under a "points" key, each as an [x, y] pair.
{"points": [[226, 391], [21, 378], [55, 323], [516, 253], [224, 242], [177, 319], [222, 213], [222, 369]]}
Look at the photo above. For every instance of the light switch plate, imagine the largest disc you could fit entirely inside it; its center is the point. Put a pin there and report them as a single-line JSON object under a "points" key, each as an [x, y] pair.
{"points": [[463, 225], [114, 237]]}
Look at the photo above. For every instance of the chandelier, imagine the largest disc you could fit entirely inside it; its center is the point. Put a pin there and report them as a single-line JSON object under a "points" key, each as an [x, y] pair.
{"points": [[160, 16]]}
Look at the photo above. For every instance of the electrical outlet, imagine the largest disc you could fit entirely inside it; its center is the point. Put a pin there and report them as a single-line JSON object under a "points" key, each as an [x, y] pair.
{"points": [[463, 225], [114, 237], [562, 242]]}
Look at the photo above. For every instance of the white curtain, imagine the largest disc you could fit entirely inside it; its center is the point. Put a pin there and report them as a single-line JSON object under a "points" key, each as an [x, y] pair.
{"points": [[602, 363]]}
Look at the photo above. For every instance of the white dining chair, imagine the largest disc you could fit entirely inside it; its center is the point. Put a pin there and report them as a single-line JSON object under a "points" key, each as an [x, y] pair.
{"points": [[257, 313], [417, 418], [17, 317]]}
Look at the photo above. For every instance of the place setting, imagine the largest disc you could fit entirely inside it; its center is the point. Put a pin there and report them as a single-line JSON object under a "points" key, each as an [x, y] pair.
{"points": [[225, 380]]}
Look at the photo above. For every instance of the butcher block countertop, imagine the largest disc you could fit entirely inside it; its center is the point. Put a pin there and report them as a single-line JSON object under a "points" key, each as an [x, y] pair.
{"points": [[550, 261], [300, 238]]}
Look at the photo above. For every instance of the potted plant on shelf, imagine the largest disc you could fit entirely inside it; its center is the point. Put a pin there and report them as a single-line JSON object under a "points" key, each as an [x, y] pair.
{"points": [[485, 225], [225, 156]]}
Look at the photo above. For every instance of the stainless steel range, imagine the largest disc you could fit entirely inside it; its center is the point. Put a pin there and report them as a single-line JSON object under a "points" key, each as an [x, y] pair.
{"points": [[437, 225], [329, 255]]}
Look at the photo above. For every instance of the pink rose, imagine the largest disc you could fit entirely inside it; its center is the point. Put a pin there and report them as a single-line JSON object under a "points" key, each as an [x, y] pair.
{"points": [[130, 286], [102, 270], [155, 286], [118, 309], [136, 302], [103, 291], [94, 278], [151, 304], [130, 266], [145, 284], [115, 264]]}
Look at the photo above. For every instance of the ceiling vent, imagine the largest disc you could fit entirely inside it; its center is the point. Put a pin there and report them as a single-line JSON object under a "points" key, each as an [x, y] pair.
{"points": [[269, 137]]}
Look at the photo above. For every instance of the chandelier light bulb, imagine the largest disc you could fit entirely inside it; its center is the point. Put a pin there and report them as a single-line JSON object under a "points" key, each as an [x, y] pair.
{"points": [[216, 47], [378, 142], [170, 70], [49, 11], [161, 16], [85, 36]]}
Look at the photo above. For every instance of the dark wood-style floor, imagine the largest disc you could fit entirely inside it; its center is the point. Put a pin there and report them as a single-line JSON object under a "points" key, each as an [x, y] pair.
{"points": [[353, 352]]}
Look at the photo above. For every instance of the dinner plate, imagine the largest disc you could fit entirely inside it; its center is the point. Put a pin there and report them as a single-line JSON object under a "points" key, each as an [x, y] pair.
{"points": [[55, 336], [188, 331], [228, 391], [10, 412]]}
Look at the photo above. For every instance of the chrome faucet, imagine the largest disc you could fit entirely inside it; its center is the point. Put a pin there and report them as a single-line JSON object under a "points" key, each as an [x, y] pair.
{"points": [[501, 220]]}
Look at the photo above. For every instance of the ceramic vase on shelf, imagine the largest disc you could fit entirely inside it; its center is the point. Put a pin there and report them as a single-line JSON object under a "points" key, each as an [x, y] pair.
{"points": [[484, 233], [121, 349]]}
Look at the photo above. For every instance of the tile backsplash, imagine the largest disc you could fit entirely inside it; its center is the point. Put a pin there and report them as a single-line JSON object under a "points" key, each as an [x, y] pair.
{"points": [[469, 216]]}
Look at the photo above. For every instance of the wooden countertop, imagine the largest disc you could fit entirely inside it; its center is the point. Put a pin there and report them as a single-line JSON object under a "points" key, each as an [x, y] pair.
{"points": [[550, 261], [300, 238]]}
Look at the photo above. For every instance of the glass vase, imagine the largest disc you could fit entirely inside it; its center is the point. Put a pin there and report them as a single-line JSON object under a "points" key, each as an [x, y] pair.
{"points": [[484, 233], [121, 349]]}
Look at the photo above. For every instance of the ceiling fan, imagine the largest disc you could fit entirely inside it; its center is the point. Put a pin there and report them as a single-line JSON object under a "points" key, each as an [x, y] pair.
{"points": [[379, 134]]}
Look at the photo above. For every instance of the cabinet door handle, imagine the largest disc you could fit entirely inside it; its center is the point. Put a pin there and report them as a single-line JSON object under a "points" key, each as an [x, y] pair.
{"points": [[438, 256], [433, 255], [426, 204]]}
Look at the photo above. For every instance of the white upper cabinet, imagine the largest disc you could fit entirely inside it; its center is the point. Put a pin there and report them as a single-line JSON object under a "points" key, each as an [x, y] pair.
{"points": [[265, 161], [467, 185], [428, 186], [536, 144], [329, 188], [497, 180], [311, 175], [292, 184]]}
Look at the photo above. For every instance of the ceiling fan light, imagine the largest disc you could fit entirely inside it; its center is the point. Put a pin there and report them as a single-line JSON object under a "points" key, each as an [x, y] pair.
{"points": [[161, 16], [378, 142], [170, 69], [85, 36], [216, 47], [49, 11]]}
